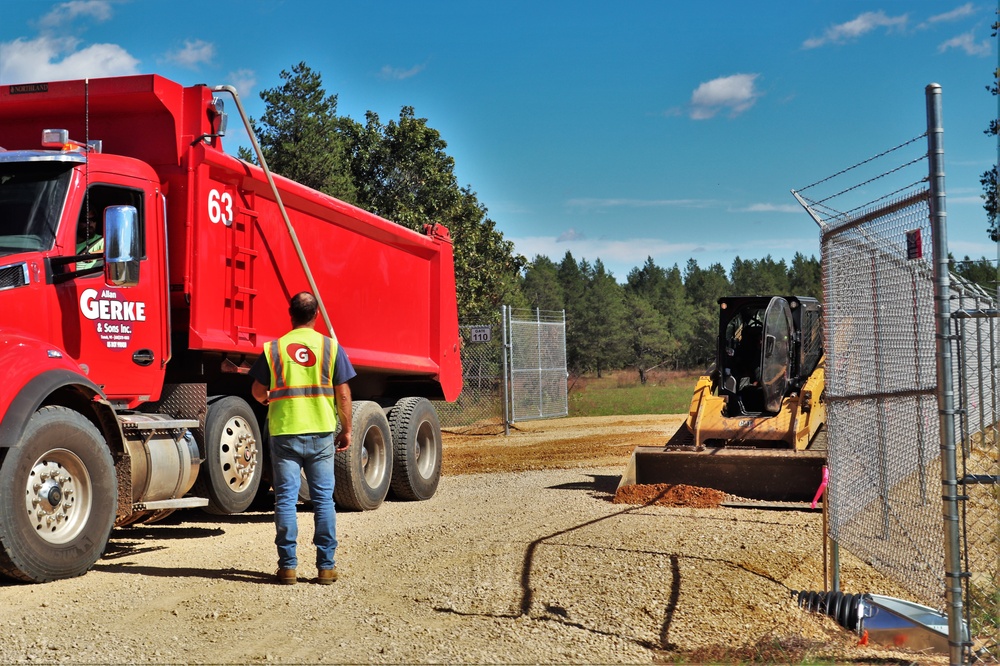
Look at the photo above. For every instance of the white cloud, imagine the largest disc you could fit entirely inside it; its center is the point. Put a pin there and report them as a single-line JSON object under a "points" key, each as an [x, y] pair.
{"points": [[389, 73], [770, 208], [57, 54], [194, 53], [618, 256], [621, 255], [244, 80], [966, 10], [595, 203], [737, 93], [66, 13], [852, 30], [57, 59], [976, 199], [570, 235], [962, 248], [967, 42]]}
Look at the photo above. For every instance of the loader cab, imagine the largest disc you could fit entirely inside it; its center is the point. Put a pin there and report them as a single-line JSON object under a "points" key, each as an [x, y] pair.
{"points": [[768, 346]]}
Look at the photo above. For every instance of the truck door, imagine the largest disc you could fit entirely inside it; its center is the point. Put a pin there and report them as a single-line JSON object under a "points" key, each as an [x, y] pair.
{"points": [[117, 333], [776, 353]]}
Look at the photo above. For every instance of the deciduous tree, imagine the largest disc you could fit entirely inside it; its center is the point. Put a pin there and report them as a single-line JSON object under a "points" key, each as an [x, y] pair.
{"points": [[402, 172]]}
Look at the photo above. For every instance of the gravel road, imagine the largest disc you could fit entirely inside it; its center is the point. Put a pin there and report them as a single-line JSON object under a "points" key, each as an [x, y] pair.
{"points": [[523, 566]]}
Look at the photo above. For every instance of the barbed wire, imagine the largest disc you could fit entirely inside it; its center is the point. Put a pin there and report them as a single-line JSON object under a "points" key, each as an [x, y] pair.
{"points": [[890, 195], [862, 163], [873, 179]]}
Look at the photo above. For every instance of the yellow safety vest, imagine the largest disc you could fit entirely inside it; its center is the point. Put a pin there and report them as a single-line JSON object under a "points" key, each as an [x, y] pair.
{"points": [[301, 397]]}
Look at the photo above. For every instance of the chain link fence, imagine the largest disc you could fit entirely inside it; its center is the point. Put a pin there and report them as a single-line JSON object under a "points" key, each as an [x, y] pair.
{"points": [[976, 328], [479, 408], [524, 380], [911, 393]]}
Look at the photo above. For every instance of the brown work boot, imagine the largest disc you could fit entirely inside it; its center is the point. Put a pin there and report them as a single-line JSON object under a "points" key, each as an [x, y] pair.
{"points": [[286, 576], [327, 576]]}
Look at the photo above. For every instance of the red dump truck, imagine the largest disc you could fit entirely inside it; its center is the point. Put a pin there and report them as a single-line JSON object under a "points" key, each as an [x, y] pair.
{"points": [[141, 271]]}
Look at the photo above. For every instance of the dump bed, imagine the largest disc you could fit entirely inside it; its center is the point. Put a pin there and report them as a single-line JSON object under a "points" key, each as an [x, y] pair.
{"points": [[389, 291]]}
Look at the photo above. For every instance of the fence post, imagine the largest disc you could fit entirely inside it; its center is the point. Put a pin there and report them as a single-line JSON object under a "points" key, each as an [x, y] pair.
{"points": [[504, 311], [945, 391]]}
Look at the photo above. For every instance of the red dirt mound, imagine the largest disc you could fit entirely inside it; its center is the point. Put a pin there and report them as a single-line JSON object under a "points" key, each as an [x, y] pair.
{"points": [[669, 494]]}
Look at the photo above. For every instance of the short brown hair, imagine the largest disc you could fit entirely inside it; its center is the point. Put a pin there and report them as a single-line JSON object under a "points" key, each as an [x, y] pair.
{"points": [[302, 308]]}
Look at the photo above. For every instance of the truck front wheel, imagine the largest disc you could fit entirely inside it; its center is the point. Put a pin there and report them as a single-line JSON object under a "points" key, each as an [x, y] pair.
{"points": [[234, 456], [58, 497], [364, 470]]}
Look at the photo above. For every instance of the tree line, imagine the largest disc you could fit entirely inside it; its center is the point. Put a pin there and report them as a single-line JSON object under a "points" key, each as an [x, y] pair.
{"points": [[400, 170], [660, 316]]}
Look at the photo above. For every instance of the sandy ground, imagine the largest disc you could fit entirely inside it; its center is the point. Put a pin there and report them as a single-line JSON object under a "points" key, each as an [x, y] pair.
{"points": [[521, 557]]}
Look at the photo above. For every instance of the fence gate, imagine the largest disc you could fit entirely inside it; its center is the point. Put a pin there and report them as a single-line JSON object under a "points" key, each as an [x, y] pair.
{"points": [[911, 392], [537, 364]]}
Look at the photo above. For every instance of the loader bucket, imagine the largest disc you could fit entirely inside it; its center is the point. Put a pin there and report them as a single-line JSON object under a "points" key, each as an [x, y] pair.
{"points": [[773, 475]]}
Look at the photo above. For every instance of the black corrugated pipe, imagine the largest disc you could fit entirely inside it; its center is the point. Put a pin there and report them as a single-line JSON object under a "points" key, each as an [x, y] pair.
{"points": [[885, 620], [844, 608]]}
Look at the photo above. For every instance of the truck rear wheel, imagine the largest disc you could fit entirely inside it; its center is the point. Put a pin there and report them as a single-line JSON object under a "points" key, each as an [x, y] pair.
{"points": [[234, 456], [364, 470], [58, 498], [416, 448]]}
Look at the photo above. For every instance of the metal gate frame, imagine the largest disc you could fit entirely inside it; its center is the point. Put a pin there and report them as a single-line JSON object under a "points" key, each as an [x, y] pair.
{"points": [[534, 365]]}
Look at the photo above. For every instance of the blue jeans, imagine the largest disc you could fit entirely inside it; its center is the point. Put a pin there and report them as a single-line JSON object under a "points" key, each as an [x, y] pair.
{"points": [[290, 454]]}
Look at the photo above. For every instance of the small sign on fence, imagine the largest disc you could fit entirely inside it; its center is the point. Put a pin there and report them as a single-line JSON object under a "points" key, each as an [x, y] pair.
{"points": [[481, 334], [914, 244]]}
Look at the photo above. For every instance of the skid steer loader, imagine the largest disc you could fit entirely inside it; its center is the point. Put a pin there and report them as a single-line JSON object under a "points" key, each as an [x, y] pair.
{"points": [[755, 426]]}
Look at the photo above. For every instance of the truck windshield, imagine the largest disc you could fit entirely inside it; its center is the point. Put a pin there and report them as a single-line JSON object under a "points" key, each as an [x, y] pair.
{"points": [[32, 195]]}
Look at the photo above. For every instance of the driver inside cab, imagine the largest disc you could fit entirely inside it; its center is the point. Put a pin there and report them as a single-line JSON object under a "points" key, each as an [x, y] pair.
{"points": [[89, 237]]}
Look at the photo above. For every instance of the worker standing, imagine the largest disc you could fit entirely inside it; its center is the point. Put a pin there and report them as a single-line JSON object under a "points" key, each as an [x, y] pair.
{"points": [[302, 378]]}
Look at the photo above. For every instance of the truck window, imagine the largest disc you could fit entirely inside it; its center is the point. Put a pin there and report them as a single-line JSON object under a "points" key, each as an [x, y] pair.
{"points": [[90, 228], [32, 196]]}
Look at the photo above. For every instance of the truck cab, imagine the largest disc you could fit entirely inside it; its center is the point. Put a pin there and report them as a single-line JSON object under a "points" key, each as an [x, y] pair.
{"points": [[56, 287]]}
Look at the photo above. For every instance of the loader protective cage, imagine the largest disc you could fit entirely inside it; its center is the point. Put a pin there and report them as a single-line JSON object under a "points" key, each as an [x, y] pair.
{"points": [[912, 393]]}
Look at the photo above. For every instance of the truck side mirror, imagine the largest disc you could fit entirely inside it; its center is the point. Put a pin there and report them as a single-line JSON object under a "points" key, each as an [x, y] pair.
{"points": [[121, 246]]}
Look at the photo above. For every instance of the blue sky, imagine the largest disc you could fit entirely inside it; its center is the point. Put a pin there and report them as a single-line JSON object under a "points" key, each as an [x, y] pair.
{"points": [[614, 130]]}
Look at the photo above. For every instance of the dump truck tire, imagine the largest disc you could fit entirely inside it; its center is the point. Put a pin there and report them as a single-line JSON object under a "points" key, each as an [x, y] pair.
{"points": [[416, 448], [58, 498], [364, 470], [234, 456]]}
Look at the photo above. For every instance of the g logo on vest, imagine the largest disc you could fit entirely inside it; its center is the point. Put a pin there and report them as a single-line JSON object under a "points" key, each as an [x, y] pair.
{"points": [[301, 354]]}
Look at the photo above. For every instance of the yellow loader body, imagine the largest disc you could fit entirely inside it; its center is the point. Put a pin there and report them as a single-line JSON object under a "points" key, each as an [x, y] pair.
{"points": [[800, 417], [755, 425]]}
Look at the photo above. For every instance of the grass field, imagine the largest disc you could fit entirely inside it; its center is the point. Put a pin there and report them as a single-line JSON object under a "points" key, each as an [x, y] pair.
{"points": [[619, 392]]}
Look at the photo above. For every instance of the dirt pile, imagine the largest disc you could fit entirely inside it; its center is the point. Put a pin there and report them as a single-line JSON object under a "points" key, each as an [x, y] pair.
{"points": [[670, 494]]}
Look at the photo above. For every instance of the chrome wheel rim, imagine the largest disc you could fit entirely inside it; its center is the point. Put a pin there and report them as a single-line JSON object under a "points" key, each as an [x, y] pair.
{"points": [[237, 454], [58, 496]]}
